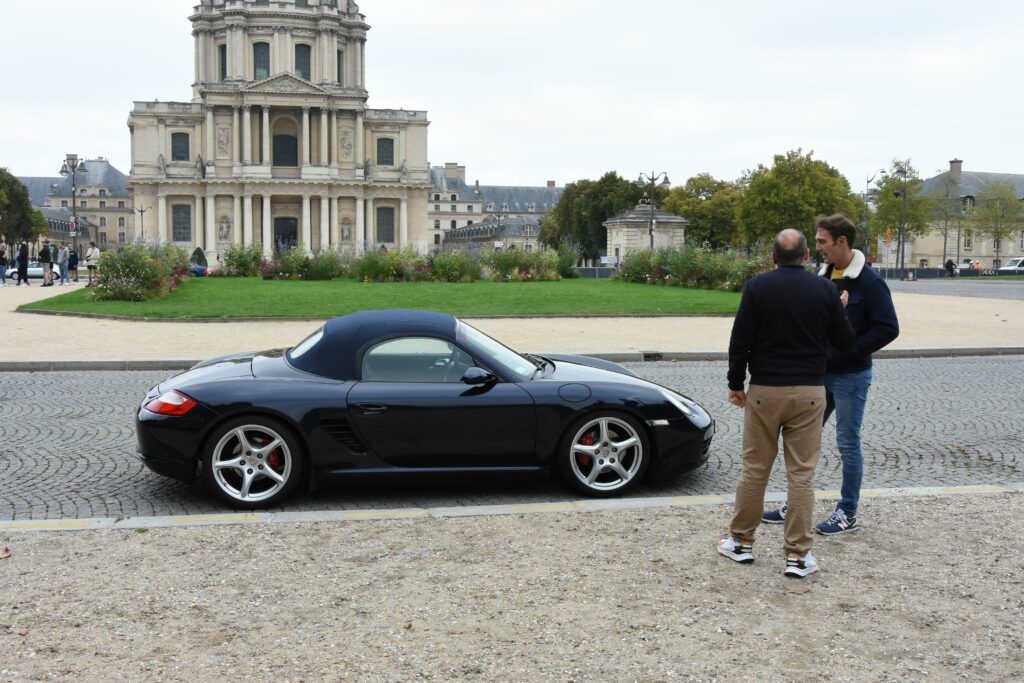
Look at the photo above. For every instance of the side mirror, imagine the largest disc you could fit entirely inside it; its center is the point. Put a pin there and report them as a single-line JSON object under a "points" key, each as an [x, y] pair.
{"points": [[477, 376]]}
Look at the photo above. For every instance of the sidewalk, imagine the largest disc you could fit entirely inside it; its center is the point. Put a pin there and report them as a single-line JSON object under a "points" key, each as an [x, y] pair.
{"points": [[926, 322]]}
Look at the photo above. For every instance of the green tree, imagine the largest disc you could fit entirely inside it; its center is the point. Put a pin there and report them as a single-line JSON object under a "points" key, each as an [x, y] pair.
{"points": [[16, 210], [790, 194], [947, 212], [997, 212], [920, 208], [710, 206], [584, 206]]}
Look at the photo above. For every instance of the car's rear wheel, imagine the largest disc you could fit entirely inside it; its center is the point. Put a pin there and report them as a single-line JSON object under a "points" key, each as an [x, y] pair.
{"points": [[604, 454], [252, 462]]}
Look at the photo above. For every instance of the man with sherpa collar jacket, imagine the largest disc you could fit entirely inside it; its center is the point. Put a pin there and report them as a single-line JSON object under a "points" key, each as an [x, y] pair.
{"points": [[848, 375]]}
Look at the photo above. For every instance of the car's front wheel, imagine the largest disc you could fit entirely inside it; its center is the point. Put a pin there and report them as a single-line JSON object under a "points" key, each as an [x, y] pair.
{"points": [[604, 454], [252, 462]]}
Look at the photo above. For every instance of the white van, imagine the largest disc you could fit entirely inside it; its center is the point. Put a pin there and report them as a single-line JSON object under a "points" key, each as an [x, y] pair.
{"points": [[1014, 266]]}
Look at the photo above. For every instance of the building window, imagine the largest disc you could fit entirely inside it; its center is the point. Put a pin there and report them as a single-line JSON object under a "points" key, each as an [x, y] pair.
{"points": [[455, 207], [968, 239], [261, 61], [120, 205], [120, 238], [527, 229], [437, 208], [455, 197], [302, 61], [82, 191], [528, 248], [302, 3], [222, 60], [103, 193], [64, 203], [490, 207], [179, 146], [385, 152], [453, 225], [103, 204], [103, 238], [968, 202], [120, 222], [469, 208], [385, 224], [286, 150], [341, 67], [181, 220], [437, 225], [504, 206], [83, 204], [437, 239], [469, 223], [103, 221], [437, 197]]}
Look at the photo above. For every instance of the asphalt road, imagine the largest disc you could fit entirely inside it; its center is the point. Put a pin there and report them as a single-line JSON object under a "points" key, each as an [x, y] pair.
{"points": [[67, 443], [969, 287]]}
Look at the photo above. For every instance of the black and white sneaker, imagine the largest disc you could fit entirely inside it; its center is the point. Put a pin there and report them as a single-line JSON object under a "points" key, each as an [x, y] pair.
{"points": [[799, 567], [776, 516], [736, 551]]}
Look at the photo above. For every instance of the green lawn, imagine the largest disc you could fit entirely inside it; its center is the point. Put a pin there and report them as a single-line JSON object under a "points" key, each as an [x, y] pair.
{"points": [[257, 298]]}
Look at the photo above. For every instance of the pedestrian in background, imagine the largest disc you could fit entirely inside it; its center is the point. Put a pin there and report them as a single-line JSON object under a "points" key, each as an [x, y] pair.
{"points": [[848, 378], [92, 260], [62, 263], [3, 263], [73, 264], [786, 319], [46, 261], [23, 265]]}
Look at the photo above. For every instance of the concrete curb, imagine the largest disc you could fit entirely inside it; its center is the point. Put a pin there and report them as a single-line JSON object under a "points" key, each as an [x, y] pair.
{"points": [[134, 319], [615, 357], [596, 505]]}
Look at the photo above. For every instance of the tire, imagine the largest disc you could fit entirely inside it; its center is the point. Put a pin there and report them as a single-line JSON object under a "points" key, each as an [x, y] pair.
{"points": [[252, 462], [604, 454]]}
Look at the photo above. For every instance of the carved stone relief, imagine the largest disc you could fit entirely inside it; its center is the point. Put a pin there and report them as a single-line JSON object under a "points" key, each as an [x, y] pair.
{"points": [[224, 229], [345, 145], [346, 229], [223, 142]]}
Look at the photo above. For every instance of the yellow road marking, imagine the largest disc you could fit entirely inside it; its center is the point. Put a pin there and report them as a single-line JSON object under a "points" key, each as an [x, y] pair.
{"points": [[216, 518], [693, 500], [975, 489], [826, 494], [56, 525], [385, 514]]}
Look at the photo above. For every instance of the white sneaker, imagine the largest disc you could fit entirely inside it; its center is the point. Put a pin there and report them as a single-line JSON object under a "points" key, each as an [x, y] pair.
{"points": [[736, 551], [800, 567]]}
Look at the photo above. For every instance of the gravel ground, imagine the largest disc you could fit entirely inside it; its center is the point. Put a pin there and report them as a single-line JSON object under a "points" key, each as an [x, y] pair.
{"points": [[929, 589]]}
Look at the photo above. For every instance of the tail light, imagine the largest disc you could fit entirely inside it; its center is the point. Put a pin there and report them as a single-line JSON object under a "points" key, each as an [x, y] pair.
{"points": [[171, 403]]}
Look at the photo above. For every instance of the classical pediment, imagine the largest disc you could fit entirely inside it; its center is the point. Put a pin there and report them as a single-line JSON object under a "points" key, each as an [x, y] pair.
{"points": [[285, 83]]}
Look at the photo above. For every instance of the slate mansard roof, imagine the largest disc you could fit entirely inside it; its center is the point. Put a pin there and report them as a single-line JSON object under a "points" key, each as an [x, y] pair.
{"points": [[98, 173], [517, 198], [971, 183]]}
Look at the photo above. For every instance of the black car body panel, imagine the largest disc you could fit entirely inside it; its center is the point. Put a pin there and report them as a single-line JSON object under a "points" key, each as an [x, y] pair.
{"points": [[351, 426]]}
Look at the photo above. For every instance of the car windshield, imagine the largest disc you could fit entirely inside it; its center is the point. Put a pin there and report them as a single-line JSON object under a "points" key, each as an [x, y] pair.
{"points": [[516, 363]]}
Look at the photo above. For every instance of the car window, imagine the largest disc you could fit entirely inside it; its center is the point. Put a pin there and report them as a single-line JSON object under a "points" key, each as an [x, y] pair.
{"points": [[415, 359], [498, 351], [306, 344]]}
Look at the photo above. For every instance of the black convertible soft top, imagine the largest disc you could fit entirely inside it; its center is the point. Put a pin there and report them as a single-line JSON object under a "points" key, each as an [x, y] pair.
{"points": [[336, 354]]}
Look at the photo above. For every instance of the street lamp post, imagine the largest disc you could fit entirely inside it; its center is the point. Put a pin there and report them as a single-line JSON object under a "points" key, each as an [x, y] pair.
{"points": [[652, 178], [901, 248], [70, 168], [142, 223], [867, 207]]}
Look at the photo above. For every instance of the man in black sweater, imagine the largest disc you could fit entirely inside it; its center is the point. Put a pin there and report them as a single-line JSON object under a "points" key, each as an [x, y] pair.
{"points": [[785, 321]]}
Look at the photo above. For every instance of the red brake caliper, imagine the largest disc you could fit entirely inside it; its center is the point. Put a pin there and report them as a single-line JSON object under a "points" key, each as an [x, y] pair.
{"points": [[274, 459], [587, 440]]}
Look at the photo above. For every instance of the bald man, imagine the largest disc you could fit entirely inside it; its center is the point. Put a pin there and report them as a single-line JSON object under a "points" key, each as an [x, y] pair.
{"points": [[785, 321]]}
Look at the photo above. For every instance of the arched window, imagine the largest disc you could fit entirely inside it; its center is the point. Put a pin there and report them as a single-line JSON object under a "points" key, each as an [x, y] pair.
{"points": [[286, 143], [302, 61], [261, 61], [179, 146], [385, 152]]}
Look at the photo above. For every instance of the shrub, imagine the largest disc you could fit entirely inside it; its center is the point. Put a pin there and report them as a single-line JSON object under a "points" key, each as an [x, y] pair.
{"points": [[242, 261], [373, 267], [507, 263], [696, 267], [139, 273], [324, 266], [455, 266], [568, 256]]}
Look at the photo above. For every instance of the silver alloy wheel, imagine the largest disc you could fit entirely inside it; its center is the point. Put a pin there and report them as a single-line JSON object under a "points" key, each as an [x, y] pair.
{"points": [[606, 454], [251, 463]]}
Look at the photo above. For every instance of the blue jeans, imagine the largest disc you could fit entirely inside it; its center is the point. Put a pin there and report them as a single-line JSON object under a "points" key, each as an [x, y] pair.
{"points": [[65, 274], [846, 394], [3, 275]]}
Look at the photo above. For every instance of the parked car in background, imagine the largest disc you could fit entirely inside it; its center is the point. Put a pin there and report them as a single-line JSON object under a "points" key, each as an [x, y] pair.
{"points": [[1014, 266]]}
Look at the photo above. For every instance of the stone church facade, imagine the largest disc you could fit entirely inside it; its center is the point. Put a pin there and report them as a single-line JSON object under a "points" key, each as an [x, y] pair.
{"points": [[277, 146]]}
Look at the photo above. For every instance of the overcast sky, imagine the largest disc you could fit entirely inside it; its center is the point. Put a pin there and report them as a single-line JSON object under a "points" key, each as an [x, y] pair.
{"points": [[530, 90]]}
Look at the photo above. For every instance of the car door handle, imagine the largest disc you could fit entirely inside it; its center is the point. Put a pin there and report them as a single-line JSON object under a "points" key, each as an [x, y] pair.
{"points": [[371, 408]]}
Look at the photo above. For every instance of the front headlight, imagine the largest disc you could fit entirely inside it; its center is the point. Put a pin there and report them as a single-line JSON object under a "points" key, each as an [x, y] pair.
{"points": [[697, 415]]}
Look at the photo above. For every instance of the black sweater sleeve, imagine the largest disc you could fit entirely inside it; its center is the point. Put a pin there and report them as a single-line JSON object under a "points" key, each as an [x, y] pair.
{"points": [[741, 340], [840, 331]]}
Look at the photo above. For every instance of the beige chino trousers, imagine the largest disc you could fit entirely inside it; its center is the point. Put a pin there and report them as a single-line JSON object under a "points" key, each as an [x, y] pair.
{"points": [[796, 412]]}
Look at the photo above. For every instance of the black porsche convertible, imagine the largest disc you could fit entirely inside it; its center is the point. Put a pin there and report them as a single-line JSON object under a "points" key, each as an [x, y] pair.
{"points": [[412, 392]]}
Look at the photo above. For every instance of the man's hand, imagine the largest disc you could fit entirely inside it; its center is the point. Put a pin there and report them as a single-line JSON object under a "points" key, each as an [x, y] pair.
{"points": [[737, 398], [844, 296]]}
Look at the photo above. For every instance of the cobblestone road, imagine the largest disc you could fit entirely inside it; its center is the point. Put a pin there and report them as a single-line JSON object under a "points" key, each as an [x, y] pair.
{"points": [[67, 443]]}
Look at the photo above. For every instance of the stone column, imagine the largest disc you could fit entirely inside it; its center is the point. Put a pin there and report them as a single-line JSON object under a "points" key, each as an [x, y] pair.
{"points": [[211, 225], [325, 223], [403, 223], [236, 221], [268, 233], [200, 236], [275, 50], [371, 222], [360, 226], [307, 220], [265, 129], [305, 138], [246, 135], [335, 223], [163, 234], [200, 57], [235, 130], [324, 138], [360, 154], [332, 155], [247, 221], [211, 139]]}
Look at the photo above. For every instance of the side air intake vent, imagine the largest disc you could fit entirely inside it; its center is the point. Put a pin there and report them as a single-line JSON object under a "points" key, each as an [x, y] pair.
{"points": [[340, 430]]}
